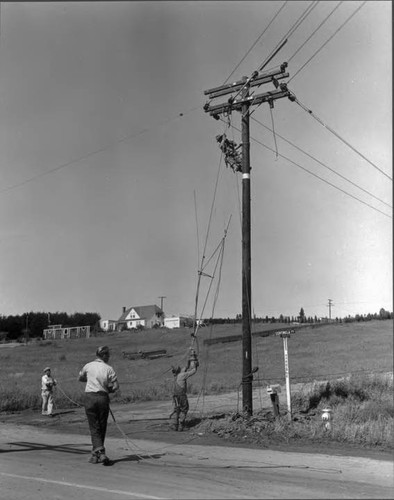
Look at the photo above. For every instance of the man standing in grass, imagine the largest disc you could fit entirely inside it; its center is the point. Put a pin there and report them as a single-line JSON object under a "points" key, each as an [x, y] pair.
{"points": [[181, 403], [101, 380], [47, 385]]}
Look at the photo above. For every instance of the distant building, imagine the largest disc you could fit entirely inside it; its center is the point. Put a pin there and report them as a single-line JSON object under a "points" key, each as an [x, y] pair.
{"points": [[108, 325], [140, 316], [178, 322], [73, 332]]}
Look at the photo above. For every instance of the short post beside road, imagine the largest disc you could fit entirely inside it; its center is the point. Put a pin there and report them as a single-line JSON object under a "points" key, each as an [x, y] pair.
{"points": [[286, 335], [273, 392]]}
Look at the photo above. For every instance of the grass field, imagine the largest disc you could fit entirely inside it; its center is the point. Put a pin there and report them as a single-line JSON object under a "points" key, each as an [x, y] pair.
{"points": [[328, 353], [322, 353]]}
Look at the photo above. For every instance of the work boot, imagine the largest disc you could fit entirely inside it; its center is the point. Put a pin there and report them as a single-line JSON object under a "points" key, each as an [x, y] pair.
{"points": [[94, 458], [103, 459]]}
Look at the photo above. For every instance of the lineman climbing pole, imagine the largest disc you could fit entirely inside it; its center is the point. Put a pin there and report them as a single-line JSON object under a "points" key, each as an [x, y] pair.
{"points": [[241, 100]]}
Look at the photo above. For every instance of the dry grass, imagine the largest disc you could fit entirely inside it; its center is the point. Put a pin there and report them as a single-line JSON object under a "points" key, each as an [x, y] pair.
{"points": [[363, 414], [314, 354], [362, 404]]}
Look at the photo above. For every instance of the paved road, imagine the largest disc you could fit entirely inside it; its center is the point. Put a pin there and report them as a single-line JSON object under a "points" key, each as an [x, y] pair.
{"points": [[39, 465]]}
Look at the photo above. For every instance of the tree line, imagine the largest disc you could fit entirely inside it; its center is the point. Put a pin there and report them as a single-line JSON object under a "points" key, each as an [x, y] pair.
{"points": [[303, 318], [32, 324]]}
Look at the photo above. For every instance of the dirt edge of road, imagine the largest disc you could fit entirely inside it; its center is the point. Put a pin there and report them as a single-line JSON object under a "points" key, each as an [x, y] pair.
{"points": [[157, 428]]}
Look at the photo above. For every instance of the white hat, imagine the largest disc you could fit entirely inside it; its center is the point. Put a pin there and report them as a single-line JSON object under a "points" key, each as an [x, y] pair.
{"points": [[46, 369]]}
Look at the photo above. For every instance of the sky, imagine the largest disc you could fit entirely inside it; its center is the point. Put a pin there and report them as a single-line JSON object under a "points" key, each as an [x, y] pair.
{"points": [[113, 192]]}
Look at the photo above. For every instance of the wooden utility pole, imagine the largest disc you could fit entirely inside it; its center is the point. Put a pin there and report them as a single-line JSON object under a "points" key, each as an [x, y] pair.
{"points": [[241, 101], [247, 377]]}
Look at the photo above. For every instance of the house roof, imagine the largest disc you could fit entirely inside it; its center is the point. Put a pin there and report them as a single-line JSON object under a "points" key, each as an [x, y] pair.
{"points": [[144, 312]]}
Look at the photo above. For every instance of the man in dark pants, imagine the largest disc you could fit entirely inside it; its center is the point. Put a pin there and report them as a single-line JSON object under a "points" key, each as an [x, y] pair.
{"points": [[101, 380], [181, 403]]}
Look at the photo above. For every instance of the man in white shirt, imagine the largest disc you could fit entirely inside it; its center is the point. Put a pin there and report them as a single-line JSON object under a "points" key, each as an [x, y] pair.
{"points": [[101, 380], [47, 385]]}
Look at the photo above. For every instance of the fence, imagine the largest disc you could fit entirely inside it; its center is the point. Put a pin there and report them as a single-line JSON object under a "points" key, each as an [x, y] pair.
{"points": [[75, 332]]}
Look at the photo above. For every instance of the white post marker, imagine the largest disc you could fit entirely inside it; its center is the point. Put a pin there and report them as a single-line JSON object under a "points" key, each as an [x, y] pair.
{"points": [[327, 418], [285, 335]]}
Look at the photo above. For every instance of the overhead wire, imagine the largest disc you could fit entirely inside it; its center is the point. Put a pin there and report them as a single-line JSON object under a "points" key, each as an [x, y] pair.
{"points": [[281, 43], [255, 43], [95, 152], [325, 43], [315, 31], [320, 178], [330, 129], [324, 165], [290, 32]]}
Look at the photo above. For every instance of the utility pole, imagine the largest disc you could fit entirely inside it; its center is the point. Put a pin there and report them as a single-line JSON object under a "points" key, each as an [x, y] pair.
{"points": [[161, 297], [241, 101], [27, 328], [330, 304]]}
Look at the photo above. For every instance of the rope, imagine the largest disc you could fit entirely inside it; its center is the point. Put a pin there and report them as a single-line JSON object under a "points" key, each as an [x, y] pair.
{"points": [[273, 129], [65, 395]]}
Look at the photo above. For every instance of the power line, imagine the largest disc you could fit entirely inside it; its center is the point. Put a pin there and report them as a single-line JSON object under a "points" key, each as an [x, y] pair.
{"points": [[323, 164], [316, 30], [310, 112], [97, 151], [318, 177], [291, 31], [255, 43], [325, 43]]}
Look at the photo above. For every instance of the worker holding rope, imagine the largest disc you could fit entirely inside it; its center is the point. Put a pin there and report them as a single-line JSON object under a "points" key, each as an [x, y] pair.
{"points": [[101, 380], [181, 403], [47, 385]]}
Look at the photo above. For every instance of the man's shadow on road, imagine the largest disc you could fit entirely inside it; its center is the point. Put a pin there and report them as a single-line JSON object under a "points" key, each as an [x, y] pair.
{"points": [[137, 458]]}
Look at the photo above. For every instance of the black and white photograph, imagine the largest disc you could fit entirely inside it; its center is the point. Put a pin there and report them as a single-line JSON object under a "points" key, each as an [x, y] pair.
{"points": [[196, 249]]}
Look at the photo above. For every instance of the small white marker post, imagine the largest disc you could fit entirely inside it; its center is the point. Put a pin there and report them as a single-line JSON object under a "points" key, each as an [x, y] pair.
{"points": [[285, 335]]}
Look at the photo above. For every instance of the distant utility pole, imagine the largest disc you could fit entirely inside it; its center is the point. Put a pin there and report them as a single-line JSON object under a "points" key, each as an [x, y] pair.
{"points": [[330, 304], [161, 297], [241, 101], [27, 328]]}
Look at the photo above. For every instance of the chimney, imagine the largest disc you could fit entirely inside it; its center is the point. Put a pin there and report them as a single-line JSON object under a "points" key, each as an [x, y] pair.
{"points": [[124, 309]]}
